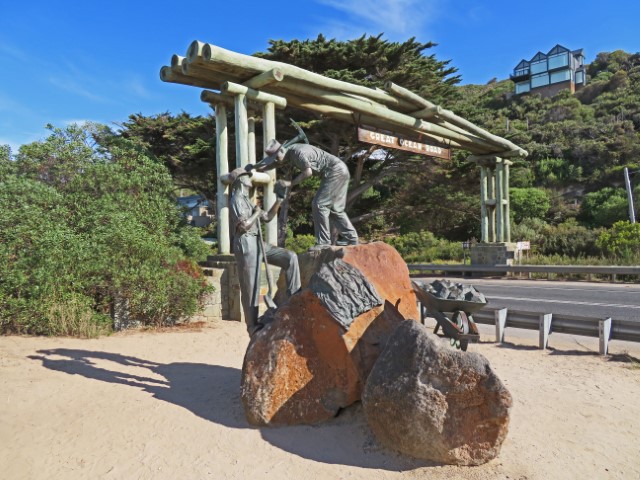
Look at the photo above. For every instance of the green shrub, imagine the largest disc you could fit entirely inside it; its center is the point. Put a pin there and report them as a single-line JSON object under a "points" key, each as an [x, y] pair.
{"points": [[300, 243], [622, 240], [80, 227], [423, 246], [604, 207], [529, 203], [570, 239]]}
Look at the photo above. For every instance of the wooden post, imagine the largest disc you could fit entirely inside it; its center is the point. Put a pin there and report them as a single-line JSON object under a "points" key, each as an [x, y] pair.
{"points": [[491, 193], [251, 147], [268, 133], [499, 205], [484, 220], [242, 130], [222, 195], [507, 219]]}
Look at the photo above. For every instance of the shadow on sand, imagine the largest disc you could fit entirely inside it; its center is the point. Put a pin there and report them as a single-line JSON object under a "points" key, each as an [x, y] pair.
{"points": [[212, 392]]}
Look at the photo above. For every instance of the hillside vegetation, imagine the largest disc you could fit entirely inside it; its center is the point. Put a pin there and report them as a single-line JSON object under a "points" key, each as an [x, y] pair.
{"points": [[566, 195]]}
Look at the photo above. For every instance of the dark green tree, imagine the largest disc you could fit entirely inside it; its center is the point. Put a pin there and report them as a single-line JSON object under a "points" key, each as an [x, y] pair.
{"points": [[529, 203], [604, 207], [183, 143], [370, 61]]}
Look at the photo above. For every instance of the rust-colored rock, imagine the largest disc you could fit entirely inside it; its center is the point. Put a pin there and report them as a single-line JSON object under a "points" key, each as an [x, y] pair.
{"points": [[304, 367], [436, 403]]}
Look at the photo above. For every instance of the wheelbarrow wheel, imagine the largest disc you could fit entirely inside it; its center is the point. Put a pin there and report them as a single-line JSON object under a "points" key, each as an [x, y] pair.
{"points": [[461, 319]]}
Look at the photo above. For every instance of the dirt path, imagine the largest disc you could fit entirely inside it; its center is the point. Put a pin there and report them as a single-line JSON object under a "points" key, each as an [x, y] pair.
{"points": [[166, 406]]}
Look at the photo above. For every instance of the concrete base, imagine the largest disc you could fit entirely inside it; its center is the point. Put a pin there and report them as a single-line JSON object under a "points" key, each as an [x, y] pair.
{"points": [[224, 303], [494, 254]]}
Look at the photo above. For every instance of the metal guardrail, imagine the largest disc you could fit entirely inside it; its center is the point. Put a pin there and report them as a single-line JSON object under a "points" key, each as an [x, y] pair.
{"points": [[588, 270], [546, 323]]}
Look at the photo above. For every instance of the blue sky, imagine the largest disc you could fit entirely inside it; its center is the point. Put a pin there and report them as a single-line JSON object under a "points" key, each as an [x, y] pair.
{"points": [[71, 61]]}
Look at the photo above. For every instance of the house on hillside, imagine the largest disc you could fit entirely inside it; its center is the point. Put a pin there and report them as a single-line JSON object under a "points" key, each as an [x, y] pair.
{"points": [[196, 209], [548, 73]]}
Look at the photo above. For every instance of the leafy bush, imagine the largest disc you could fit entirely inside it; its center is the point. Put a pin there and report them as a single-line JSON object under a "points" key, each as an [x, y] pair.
{"points": [[604, 207], [569, 239], [81, 226], [529, 203], [300, 243], [529, 229], [622, 240], [423, 246]]}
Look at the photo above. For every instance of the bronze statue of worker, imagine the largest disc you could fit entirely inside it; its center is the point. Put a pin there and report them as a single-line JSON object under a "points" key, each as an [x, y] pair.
{"points": [[328, 204], [244, 218]]}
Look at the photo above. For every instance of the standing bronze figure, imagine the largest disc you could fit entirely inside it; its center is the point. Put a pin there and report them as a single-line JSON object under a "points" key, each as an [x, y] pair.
{"points": [[244, 218]]}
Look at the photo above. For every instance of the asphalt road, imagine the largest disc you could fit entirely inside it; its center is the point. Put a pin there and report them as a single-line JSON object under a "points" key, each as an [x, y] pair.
{"points": [[599, 300]]}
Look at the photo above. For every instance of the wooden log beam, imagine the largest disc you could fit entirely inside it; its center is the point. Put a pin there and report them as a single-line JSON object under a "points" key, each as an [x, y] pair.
{"points": [[451, 117], [203, 73], [237, 63], [176, 62], [260, 178], [213, 99], [265, 78], [205, 64], [427, 113], [349, 116], [375, 110], [169, 76], [232, 88]]}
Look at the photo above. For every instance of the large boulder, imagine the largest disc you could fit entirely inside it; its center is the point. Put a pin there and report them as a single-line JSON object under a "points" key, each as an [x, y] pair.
{"points": [[428, 401], [313, 359]]}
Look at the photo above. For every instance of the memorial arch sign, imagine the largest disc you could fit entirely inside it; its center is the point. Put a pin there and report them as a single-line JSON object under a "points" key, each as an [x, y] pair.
{"points": [[251, 84]]}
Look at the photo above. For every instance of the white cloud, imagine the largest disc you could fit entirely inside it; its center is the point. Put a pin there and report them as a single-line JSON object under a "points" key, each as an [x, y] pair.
{"points": [[70, 85], [21, 138], [405, 18], [12, 144], [136, 87], [13, 52], [80, 121]]}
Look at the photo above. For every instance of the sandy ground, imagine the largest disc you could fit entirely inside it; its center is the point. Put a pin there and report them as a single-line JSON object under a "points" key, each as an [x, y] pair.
{"points": [[165, 405]]}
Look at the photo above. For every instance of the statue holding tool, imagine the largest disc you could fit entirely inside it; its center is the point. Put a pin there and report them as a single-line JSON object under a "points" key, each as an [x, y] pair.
{"points": [[328, 204], [250, 249]]}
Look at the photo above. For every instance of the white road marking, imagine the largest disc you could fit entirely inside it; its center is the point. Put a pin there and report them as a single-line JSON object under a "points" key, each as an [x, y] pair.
{"points": [[569, 302], [564, 289]]}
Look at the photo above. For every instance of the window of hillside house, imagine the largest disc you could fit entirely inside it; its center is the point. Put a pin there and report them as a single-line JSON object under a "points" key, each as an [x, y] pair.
{"points": [[522, 87], [538, 67], [540, 80], [579, 77], [561, 76], [557, 61]]}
